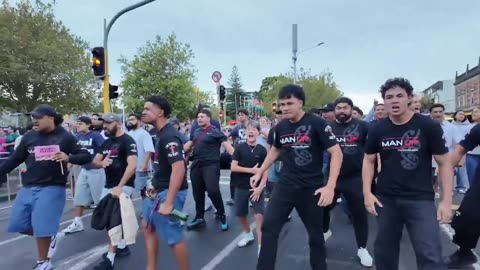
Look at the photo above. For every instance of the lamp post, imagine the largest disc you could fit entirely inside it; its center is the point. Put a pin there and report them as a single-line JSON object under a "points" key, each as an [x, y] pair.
{"points": [[295, 50]]}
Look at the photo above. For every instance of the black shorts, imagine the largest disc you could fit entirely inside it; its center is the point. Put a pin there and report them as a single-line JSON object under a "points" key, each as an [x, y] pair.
{"points": [[242, 197]]}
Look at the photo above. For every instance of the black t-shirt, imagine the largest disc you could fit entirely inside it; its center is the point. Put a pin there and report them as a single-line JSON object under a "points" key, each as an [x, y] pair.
{"points": [[406, 154], [168, 150], [271, 136], [302, 145], [208, 147], [120, 148], [238, 134], [351, 137], [472, 140], [247, 156]]}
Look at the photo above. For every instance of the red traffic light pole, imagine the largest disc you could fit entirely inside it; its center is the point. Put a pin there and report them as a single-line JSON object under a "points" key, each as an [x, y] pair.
{"points": [[106, 28]]}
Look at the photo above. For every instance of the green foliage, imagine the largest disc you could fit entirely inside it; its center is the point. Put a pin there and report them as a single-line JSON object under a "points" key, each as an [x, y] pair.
{"points": [[42, 62], [161, 67], [234, 92], [319, 89], [426, 102]]}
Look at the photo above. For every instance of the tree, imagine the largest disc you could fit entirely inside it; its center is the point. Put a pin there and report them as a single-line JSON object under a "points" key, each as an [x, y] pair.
{"points": [[234, 93], [319, 90], [42, 62], [162, 67], [426, 103]]}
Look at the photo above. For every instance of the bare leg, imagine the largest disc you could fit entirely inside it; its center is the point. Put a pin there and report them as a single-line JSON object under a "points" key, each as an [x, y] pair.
{"points": [[258, 227], [181, 253], [244, 223], [43, 244], [151, 247], [79, 211]]}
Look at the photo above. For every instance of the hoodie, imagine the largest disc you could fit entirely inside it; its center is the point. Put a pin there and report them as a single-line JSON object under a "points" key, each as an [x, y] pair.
{"points": [[42, 171]]}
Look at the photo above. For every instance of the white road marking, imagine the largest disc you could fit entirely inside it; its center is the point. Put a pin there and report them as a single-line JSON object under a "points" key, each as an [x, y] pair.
{"points": [[61, 224], [225, 251], [450, 232], [82, 260]]}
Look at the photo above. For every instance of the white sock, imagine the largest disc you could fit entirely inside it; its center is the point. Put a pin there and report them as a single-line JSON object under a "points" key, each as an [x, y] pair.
{"points": [[78, 220], [111, 256], [122, 244]]}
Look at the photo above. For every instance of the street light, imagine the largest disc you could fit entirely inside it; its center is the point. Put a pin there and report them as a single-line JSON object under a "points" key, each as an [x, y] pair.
{"points": [[295, 57], [106, 32]]}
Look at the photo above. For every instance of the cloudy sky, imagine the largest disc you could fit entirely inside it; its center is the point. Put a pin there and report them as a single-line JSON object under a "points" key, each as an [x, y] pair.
{"points": [[366, 42]]}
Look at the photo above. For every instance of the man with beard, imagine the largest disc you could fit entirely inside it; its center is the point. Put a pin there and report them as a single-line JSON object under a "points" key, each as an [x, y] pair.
{"points": [[39, 204], [145, 149], [351, 135], [119, 159], [97, 124]]}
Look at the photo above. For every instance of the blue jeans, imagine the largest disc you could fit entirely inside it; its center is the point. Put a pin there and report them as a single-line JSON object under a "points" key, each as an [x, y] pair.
{"points": [[462, 178], [472, 162]]}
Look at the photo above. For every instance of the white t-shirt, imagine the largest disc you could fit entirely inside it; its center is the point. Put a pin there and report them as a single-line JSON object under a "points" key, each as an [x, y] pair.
{"points": [[144, 144]]}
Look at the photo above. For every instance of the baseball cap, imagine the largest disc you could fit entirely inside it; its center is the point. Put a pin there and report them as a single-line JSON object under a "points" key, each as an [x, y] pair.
{"points": [[85, 119], [328, 107], [43, 110], [174, 122], [112, 117]]}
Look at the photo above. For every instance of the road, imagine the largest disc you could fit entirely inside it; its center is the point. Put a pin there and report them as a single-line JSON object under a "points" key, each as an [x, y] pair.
{"points": [[209, 248]]}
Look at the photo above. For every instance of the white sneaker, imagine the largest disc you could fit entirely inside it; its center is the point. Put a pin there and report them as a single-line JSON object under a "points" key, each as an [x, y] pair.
{"points": [[246, 239], [54, 245], [45, 265], [365, 258], [73, 228], [327, 235]]}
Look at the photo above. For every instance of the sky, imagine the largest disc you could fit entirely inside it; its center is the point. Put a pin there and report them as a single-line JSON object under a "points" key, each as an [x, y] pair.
{"points": [[366, 42]]}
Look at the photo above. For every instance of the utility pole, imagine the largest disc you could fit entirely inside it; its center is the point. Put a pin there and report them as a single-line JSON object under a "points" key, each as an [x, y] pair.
{"points": [[294, 51], [106, 31]]}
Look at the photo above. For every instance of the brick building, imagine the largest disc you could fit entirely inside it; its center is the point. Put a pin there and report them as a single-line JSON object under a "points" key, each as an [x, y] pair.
{"points": [[467, 89]]}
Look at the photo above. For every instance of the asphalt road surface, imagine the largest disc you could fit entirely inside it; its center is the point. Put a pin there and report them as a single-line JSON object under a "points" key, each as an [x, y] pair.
{"points": [[209, 248]]}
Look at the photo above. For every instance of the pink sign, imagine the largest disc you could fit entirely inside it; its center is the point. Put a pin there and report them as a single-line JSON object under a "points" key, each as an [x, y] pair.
{"points": [[45, 152]]}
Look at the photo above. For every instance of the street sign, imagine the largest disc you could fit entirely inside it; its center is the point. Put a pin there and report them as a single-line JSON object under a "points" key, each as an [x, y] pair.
{"points": [[216, 76], [220, 113]]}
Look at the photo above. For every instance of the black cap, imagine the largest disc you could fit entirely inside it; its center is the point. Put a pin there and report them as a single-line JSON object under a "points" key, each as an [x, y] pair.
{"points": [[43, 110], [328, 107], [85, 119]]}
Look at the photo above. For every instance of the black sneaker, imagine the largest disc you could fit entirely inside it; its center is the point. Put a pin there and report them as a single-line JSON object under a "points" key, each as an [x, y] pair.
{"points": [[121, 252], [196, 223], [460, 259], [106, 264], [230, 202]]}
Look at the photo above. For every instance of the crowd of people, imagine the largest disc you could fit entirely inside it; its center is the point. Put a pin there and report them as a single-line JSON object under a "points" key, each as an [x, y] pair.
{"points": [[391, 163]]}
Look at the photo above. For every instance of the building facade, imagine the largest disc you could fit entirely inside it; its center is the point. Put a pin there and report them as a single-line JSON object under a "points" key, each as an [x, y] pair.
{"points": [[467, 89], [442, 92]]}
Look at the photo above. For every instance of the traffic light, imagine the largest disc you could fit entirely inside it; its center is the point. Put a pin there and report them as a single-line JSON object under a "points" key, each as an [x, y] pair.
{"points": [[222, 92], [112, 91], [98, 62], [274, 106], [221, 106]]}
